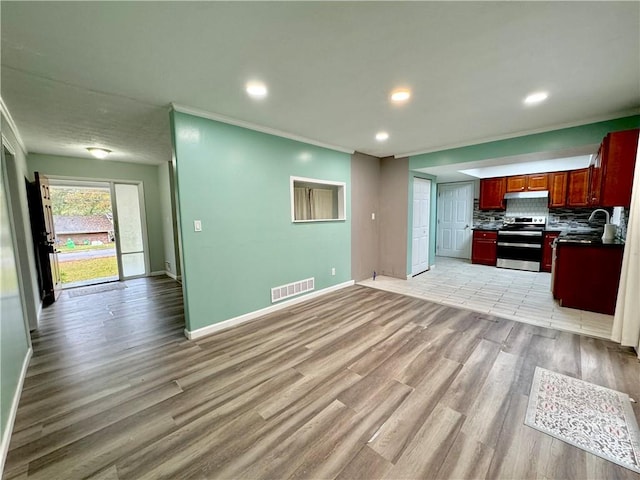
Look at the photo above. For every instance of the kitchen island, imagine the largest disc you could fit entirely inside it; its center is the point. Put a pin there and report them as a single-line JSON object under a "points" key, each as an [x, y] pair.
{"points": [[586, 272]]}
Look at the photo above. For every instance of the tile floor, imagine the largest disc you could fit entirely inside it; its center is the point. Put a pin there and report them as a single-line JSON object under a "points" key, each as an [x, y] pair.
{"points": [[513, 294]]}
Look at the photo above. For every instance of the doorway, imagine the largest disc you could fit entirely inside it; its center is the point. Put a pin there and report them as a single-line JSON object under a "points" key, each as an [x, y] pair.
{"points": [[454, 219], [100, 235], [420, 228], [84, 232]]}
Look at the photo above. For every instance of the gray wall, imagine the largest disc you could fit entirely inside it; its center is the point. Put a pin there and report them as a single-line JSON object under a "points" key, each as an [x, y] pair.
{"points": [[393, 227], [365, 188], [85, 168]]}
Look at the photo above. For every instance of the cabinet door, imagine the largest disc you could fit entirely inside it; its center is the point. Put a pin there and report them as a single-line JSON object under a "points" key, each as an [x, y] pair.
{"points": [[492, 192], [595, 182], [537, 182], [558, 189], [484, 247], [618, 164], [578, 195], [547, 250], [517, 183]]}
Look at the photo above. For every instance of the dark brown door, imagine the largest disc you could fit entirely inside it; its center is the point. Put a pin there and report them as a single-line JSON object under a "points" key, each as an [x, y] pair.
{"points": [[44, 238]]}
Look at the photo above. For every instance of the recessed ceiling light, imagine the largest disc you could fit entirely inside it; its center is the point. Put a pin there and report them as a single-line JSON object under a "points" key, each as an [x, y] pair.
{"points": [[400, 95], [257, 89], [99, 152], [382, 136], [536, 97]]}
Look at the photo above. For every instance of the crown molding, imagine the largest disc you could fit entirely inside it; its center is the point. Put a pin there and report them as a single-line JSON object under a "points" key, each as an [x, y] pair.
{"points": [[604, 118], [7, 115], [258, 128]]}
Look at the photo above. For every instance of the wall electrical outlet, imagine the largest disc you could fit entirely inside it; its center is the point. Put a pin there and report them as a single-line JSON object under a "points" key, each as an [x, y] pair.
{"points": [[333, 270], [197, 225]]}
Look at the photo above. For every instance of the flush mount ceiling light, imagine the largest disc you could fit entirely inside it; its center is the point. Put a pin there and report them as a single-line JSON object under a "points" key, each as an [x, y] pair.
{"points": [[99, 152], [382, 136], [256, 89], [400, 95], [536, 97]]}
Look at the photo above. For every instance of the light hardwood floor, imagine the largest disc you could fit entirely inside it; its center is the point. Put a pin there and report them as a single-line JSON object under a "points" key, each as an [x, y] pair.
{"points": [[356, 384]]}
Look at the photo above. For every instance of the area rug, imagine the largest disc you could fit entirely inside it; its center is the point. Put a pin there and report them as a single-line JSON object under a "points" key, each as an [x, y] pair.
{"points": [[587, 416], [105, 287]]}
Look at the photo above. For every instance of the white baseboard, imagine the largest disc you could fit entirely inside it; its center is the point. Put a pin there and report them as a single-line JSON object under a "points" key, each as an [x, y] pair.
{"points": [[177, 278], [158, 273], [232, 322], [6, 436]]}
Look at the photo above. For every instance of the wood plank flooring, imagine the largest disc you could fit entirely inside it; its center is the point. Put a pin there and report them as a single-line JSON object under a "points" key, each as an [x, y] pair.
{"points": [[356, 384]]}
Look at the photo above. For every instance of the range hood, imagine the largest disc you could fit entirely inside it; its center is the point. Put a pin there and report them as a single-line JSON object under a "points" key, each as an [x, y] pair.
{"points": [[539, 194]]}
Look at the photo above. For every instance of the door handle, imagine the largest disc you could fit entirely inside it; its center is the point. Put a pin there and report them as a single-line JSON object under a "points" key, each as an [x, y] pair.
{"points": [[466, 226]]}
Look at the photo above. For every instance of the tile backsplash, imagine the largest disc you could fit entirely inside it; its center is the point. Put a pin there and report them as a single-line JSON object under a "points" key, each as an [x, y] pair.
{"points": [[527, 207], [558, 218]]}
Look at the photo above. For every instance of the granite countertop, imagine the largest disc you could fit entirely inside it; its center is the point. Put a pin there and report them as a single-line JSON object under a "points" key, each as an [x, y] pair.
{"points": [[488, 226], [589, 238]]}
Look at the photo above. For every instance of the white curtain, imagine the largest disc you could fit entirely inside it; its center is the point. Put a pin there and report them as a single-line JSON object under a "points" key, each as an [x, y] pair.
{"points": [[301, 208], [321, 203], [626, 323]]}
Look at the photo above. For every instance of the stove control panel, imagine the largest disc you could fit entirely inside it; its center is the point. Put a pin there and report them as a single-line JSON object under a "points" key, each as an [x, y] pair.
{"points": [[539, 220]]}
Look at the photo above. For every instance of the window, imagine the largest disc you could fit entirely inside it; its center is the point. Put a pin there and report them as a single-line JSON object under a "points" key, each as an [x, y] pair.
{"points": [[316, 200]]}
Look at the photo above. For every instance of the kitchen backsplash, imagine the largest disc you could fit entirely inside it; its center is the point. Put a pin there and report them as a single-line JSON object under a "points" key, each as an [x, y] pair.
{"points": [[558, 218], [527, 207]]}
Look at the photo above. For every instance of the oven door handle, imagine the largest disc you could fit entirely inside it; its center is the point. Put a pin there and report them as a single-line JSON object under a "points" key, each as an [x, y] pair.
{"points": [[523, 245], [519, 233]]}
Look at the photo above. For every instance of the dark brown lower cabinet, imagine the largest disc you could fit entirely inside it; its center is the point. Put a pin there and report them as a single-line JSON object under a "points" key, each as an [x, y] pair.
{"points": [[587, 277], [484, 247]]}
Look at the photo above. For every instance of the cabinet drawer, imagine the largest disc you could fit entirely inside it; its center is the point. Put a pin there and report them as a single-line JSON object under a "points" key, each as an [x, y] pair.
{"points": [[485, 234]]}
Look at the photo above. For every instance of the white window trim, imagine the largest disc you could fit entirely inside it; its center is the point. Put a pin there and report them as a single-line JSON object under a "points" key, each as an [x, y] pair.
{"points": [[342, 196]]}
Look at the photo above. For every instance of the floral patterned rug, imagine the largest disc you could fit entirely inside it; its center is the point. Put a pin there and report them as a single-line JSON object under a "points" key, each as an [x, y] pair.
{"points": [[588, 416]]}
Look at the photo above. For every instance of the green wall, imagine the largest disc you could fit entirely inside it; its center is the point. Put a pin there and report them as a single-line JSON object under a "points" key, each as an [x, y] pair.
{"points": [[236, 181], [14, 343], [555, 140], [86, 168]]}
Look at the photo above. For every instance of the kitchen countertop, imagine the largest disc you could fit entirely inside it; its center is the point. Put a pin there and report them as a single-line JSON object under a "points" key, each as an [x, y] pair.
{"points": [[587, 239], [489, 228]]}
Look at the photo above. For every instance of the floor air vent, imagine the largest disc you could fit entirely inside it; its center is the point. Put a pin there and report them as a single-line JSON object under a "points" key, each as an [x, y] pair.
{"points": [[291, 289]]}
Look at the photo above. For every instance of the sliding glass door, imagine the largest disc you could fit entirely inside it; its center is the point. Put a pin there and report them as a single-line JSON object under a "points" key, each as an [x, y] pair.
{"points": [[131, 232]]}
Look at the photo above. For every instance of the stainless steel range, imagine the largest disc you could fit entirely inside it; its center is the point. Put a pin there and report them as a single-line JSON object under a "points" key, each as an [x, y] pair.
{"points": [[520, 243]]}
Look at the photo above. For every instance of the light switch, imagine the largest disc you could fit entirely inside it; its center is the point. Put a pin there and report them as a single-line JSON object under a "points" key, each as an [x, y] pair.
{"points": [[373, 216], [197, 225]]}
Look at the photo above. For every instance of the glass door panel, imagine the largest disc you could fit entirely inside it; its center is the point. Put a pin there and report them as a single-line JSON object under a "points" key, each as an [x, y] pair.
{"points": [[130, 230]]}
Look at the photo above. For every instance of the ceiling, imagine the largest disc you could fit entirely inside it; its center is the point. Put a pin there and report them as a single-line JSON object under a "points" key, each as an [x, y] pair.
{"points": [[82, 74]]}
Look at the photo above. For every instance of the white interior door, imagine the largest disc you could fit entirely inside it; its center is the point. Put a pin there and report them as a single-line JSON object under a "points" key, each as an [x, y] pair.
{"points": [[130, 230], [420, 237], [455, 218]]}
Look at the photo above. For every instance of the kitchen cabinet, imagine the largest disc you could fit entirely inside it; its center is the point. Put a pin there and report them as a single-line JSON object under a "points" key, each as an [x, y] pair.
{"points": [[527, 183], [484, 246], [547, 250], [558, 189], [587, 277], [578, 188], [517, 183], [613, 168], [537, 182], [492, 192]]}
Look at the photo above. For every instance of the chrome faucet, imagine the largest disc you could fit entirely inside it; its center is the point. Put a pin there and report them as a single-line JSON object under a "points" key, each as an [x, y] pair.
{"points": [[593, 214]]}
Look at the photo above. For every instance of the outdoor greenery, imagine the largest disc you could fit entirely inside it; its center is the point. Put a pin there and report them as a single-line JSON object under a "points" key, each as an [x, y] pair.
{"points": [[80, 201], [88, 269], [64, 248]]}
